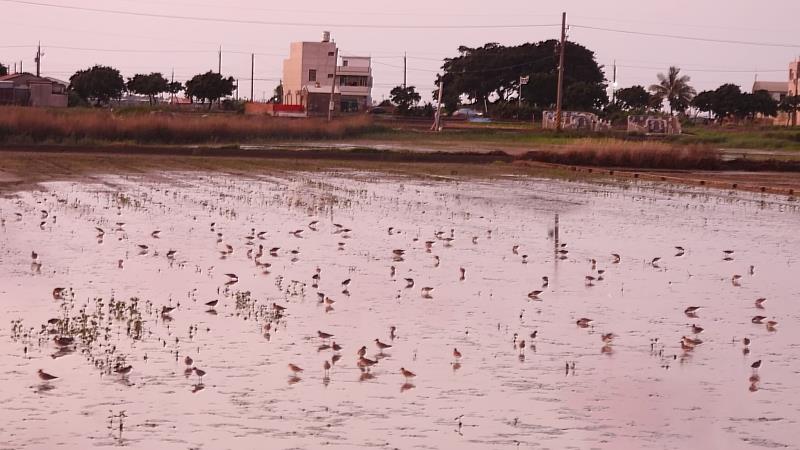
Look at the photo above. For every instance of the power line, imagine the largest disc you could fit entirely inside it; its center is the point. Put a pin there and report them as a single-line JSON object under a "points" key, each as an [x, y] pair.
{"points": [[261, 22], [677, 36]]}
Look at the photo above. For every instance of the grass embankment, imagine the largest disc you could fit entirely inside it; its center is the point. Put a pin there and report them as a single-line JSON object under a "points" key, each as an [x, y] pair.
{"points": [[87, 126], [766, 138], [630, 154]]}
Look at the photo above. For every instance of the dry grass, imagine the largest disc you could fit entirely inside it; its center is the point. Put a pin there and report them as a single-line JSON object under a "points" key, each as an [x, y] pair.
{"points": [[34, 125], [616, 153]]}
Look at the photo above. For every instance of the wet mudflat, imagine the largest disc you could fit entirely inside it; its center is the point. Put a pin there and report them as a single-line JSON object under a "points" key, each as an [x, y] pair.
{"points": [[109, 284]]}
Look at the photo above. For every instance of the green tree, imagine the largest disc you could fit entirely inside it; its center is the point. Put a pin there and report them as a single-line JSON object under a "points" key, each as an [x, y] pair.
{"points": [[277, 94], [634, 97], [674, 88], [705, 101], [404, 98], [585, 96], [174, 87], [209, 86], [3, 70], [761, 102], [493, 71], [98, 84], [790, 105], [149, 85]]}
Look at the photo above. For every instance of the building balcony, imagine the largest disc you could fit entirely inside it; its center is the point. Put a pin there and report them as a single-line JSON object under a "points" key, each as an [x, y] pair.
{"points": [[355, 90]]}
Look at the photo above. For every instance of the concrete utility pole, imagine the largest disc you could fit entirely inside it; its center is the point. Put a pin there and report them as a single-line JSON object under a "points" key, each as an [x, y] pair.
{"points": [[252, 75], [614, 83], [560, 93], [405, 69], [172, 94], [39, 59], [219, 61], [333, 84], [437, 125]]}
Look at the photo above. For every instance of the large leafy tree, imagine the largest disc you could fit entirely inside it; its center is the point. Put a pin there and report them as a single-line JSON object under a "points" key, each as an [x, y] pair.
{"points": [[633, 98], [405, 98], [493, 72], [674, 88], [585, 96], [98, 84], [705, 101], [209, 86], [149, 85], [790, 105], [277, 94], [3, 70]]}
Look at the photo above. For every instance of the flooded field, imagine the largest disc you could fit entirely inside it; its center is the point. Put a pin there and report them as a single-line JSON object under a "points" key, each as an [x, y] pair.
{"points": [[110, 285]]}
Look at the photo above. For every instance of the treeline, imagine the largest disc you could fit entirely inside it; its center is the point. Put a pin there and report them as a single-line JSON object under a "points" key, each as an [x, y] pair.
{"points": [[521, 81], [99, 85]]}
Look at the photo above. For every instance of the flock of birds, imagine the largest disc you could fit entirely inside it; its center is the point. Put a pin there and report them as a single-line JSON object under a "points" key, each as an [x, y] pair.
{"points": [[262, 258]]}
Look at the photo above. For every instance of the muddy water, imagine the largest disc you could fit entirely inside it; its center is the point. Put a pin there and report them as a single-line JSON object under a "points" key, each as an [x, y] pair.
{"points": [[564, 389]]}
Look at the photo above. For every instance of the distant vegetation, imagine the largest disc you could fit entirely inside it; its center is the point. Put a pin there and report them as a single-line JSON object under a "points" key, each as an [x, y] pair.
{"points": [[33, 125]]}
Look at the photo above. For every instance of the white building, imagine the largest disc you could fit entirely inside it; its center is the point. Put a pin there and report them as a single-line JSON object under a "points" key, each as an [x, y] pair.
{"points": [[309, 71]]}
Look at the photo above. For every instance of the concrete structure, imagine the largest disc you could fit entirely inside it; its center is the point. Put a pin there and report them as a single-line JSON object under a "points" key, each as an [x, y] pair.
{"points": [[26, 89], [654, 125], [777, 89], [308, 75], [574, 120]]}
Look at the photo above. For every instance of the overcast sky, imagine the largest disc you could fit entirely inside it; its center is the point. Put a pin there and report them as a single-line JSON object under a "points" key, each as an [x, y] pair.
{"points": [[73, 39]]}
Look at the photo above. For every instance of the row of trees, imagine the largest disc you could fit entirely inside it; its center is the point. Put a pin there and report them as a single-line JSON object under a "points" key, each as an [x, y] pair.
{"points": [[524, 78], [101, 84]]}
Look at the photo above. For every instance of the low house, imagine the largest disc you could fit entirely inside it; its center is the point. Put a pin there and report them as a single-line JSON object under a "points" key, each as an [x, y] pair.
{"points": [[26, 89], [653, 125]]}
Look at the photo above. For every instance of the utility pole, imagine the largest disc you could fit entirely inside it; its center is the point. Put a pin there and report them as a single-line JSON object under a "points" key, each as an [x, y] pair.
{"points": [[405, 68], [39, 59], [437, 125], [219, 61], [333, 84], [252, 75], [560, 93], [171, 82], [614, 83]]}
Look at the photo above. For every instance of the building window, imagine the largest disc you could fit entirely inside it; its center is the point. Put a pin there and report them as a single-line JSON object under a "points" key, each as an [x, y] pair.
{"points": [[312, 75], [344, 63], [330, 53], [330, 75]]}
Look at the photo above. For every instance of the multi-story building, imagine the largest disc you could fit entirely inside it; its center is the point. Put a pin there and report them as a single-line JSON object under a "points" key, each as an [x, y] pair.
{"points": [[308, 78]]}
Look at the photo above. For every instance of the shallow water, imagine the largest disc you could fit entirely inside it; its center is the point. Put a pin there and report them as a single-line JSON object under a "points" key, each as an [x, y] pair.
{"points": [[637, 393]]}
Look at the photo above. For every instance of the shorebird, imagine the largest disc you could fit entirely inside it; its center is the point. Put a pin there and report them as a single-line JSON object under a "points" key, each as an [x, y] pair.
{"points": [[746, 341], [323, 335], [426, 292], [336, 347], [123, 370], [58, 293], [171, 254], [200, 373], [362, 351], [615, 258], [756, 364], [654, 261], [409, 283], [346, 283], [46, 376], [278, 308], [381, 346], [463, 273], [100, 231], [522, 347], [735, 279], [691, 310], [534, 295], [758, 319], [515, 249], [608, 337], [188, 361], [407, 373], [313, 224], [295, 369], [212, 303], [155, 234], [589, 280], [456, 354], [165, 310], [696, 329], [771, 324], [392, 331], [545, 281], [760, 303], [364, 363], [63, 341], [583, 322], [326, 367]]}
